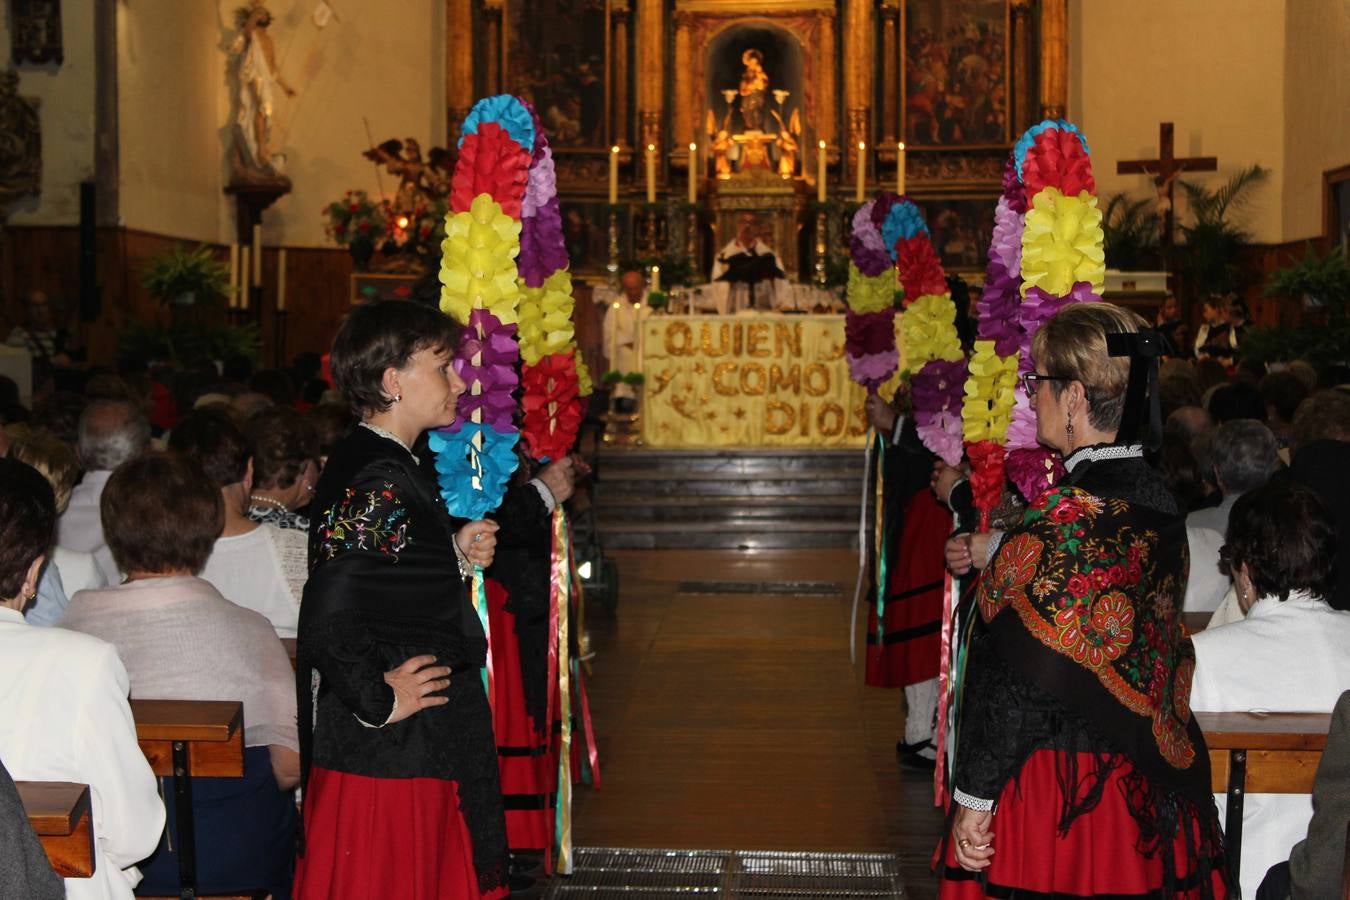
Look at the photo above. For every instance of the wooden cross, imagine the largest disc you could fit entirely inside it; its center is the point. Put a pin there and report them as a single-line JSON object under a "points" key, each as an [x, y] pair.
{"points": [[1165, 170]]}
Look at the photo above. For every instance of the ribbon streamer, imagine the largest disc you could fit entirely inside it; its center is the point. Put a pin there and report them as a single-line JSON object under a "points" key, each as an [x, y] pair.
{"points": [[559, 650], [950, 588], [862, 552], [480, 606]]}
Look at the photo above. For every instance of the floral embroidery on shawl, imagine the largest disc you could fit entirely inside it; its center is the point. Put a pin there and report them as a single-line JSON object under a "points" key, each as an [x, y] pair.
{"points": [[1080, 575], [365, 520]]}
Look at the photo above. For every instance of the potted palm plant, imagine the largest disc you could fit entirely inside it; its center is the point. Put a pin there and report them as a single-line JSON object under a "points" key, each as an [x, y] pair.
{"points": [[180, 277]]}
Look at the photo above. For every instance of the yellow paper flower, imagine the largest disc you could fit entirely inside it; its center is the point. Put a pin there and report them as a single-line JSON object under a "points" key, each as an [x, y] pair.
{"points": [[584, 385], [870, 293], [990, 393], [929, 329], [478, 268], [545, 314], [1062, 243]]}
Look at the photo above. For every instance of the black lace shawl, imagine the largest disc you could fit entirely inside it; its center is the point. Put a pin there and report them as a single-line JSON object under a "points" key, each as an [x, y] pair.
{"points": [[384, 586]]}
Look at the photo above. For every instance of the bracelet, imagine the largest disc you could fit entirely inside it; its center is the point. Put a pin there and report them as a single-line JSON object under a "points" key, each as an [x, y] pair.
{"points": [[465, 567]]}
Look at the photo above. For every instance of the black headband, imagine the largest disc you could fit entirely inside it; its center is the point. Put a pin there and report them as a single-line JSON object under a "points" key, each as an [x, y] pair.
{"points": [[1143, 348]]}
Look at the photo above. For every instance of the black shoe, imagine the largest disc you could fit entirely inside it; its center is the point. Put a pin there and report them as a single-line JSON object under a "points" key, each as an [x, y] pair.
{"points": [[911, 758]]}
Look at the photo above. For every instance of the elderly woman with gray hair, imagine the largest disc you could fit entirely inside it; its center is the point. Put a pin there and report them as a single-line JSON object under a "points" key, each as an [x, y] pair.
{"points": [[1242, 454]]}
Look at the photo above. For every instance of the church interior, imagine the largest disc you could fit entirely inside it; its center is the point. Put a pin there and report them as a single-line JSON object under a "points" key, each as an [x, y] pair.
{"points": [[767, 275]]}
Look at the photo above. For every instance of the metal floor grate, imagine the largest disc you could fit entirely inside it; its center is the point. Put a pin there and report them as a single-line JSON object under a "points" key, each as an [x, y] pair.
{"points": [[813, 588], [601, 873]]}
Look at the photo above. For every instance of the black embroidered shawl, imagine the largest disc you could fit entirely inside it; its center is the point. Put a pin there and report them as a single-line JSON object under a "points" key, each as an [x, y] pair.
{"points": [[384, 586]]}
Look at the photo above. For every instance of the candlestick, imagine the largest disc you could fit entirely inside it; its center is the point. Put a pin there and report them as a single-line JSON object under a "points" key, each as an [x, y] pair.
{"points": [[281, 280], [612, 329], [900, 168], [656, 278], [693, 173], [820, 172], [244, 286], [232, 298], [257, 256], [861, 186], [613, 175], [612, 267], [651, 173]]}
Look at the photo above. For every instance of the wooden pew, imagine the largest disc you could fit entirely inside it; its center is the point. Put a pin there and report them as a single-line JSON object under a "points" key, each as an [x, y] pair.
{"points": [[1261, 753], [1195, 622], [59, 812], [183, 738]]}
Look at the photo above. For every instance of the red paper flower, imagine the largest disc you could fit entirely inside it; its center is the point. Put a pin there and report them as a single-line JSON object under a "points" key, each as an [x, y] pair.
{"points": [[552, 409], [490, 162], [1057, 160], [986, 477], [868, 333], [920, 270]]}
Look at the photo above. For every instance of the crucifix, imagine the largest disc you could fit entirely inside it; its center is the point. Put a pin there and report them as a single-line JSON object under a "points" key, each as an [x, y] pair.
{"points": [[1165, 170]]}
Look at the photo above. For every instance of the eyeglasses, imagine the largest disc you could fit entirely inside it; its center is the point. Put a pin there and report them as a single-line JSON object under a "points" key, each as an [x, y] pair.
{"points": [[1032, 380]]}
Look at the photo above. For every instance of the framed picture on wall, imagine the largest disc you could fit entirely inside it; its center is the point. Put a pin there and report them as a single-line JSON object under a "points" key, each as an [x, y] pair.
{"points": [[962, 229], [955, 82], [556, 59]]}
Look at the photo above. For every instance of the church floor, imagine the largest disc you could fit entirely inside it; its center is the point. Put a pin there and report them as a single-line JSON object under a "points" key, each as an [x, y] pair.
{"points": [[734, 720]]}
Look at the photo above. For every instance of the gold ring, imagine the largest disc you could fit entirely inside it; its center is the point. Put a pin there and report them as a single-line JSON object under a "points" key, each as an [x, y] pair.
{"points": [[964, 843]]}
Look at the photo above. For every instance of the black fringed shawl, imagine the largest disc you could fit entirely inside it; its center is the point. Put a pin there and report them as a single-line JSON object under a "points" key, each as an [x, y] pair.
{"points": [[384, 586]]}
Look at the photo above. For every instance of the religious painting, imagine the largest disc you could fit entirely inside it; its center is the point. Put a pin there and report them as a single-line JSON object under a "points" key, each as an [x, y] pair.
{"points": [[556, 60], [753, 84], [35, 32], [962, 229], [955, 81]]}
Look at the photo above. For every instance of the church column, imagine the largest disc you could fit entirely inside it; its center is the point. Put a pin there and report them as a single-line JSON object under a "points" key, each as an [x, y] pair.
{"points": [[458, 65], [651, 69], [492, 25], [859, 35], [828, 125], [1054, 58], [682, 124], [619, 125], [1021, 48], [890, 83]]}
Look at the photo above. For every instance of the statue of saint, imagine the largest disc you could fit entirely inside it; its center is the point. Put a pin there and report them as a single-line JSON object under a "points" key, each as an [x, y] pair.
{"points": [[754, 87], [20, 143], [258, 80]]}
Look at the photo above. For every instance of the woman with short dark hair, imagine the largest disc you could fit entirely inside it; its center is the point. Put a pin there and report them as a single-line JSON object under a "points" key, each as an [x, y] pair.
{"points": [[401, 791], [285, 449], [1079, 770], [181, 640], [63, 711], [1287, 655]]}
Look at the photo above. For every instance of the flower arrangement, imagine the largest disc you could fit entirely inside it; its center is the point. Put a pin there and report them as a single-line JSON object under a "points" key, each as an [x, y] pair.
{"points": [[357, 222]]}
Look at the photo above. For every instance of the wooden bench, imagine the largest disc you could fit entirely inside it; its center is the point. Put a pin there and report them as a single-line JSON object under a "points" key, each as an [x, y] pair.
{"points": [[186, 738], [59, 812], [1260, 753], [1195, 622]]}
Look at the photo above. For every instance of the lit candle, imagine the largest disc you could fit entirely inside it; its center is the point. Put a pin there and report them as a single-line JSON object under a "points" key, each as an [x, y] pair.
{"points": [[257, 256], [656, 278], [693, 174], [613, 175], [651, 173], [232, 299], [900, 168], [861, 186], [281, 280], [244, 287], [820, 172]]}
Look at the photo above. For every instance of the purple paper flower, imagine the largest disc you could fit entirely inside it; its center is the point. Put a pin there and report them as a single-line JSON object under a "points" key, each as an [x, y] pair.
{"points": [[542, 248], [866, 334], [494, 370], [942, 437], [938, 387], [865, 245], [1022, 427], [881, 207], [1033, 470], [1040, 307], [1013, 191], [873, 369], [542, 186], [997, 311], [1006, 242]]}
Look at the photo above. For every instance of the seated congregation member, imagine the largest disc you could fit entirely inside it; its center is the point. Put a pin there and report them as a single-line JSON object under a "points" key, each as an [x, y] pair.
{"points": [[1242, 455], [181, 640], [67, 571], [63, 701], [402, 797], [1287, 655], [285, 467], [1079, 769], [110, 433], [259, 567], [25, 871]]}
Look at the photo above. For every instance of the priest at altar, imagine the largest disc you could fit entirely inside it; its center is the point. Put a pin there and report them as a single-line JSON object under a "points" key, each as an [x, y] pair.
{"points": [[748, 250]]}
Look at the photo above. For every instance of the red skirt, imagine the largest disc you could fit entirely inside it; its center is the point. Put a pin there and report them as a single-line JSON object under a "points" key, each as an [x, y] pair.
{"points": [[1097, 857], [528, 766], [375, 838], [910, 646]]}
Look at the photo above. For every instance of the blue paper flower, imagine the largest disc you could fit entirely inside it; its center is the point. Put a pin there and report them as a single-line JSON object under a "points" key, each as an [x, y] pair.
{"points": [[1028, 138], [473, 480], [903, 220], [508, 112]]}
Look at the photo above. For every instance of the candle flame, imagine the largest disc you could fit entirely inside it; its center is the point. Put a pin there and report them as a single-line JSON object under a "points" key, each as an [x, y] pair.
{"points": [[614, 149], [901, 146], [862, 145], [822, 145], [651, 146], [693, 148]]}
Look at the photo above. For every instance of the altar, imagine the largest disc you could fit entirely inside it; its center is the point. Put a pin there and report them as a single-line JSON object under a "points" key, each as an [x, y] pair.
{"points": [[748, 381]]}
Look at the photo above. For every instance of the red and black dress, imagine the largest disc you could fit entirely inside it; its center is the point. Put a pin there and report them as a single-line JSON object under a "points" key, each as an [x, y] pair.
{"points": [[412, 809], [1076, 728]]}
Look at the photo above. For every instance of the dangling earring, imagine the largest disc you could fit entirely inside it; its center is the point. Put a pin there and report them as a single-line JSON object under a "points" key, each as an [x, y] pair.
{"points": [[1068, 428]]}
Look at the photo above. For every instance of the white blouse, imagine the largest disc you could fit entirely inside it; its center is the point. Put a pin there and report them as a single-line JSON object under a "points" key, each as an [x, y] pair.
{"points": [[263, 570]]}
